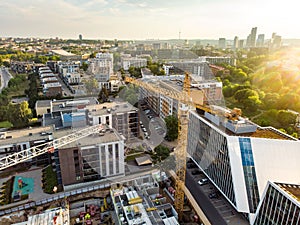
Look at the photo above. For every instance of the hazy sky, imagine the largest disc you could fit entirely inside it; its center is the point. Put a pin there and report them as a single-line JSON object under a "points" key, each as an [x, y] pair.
{"points": [[145, 19]]}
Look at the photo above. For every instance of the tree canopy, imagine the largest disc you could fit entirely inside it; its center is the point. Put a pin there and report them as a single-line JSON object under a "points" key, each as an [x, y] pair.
{"points": [[172, 127]]}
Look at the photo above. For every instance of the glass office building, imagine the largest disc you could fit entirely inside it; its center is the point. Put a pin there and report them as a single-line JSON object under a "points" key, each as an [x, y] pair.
{"points": [[280, 205], [240, 157]]}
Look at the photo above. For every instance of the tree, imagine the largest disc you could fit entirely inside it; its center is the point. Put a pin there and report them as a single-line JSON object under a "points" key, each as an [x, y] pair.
{"points": [[84, 66], [19, 114], [103, 95], [160, 154], [172, 127], [286, 118]]}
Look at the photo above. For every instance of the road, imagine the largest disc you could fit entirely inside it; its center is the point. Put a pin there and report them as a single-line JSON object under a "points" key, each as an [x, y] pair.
{"points": [[5, 77], [203, 201]]}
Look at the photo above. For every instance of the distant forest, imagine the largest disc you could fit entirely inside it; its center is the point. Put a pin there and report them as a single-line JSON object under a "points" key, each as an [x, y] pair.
{"points": [[266, 86]]}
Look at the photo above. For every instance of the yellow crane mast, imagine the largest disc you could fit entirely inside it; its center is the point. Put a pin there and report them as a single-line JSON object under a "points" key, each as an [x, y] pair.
{"points": [[180, 152]]}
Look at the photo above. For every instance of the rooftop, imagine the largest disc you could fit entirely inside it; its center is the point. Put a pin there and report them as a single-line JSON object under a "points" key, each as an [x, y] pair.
{"points": [[62, 52], [24, 135], [110, 135], [50, 85], [51, 216], [109, 107], [292, 189], [240, 126], [71, 104]]}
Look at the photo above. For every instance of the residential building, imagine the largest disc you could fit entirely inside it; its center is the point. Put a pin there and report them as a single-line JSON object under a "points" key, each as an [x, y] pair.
{"points": [[119, 115], [91, 158], [68, 67], [18, 140], [222, 43], [241, 44], [49, 80], [52, 89], [276, 41], [280, 205], [234, 153], [202, 91], [235, 43], [260, 40], [128, 61], [197, 66], [219, 60], [252, 42], [101, 66]]}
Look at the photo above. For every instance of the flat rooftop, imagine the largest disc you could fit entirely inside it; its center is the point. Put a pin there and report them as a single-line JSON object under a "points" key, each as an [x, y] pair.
{"points": [[292, 189], [247, 128], [62, 52], [109, 107], [25, 135], [69, 104], [51, 85], [109, 136]]}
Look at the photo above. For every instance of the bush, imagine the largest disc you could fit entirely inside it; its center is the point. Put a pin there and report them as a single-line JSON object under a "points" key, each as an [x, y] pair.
{"points": [[49, 180]]}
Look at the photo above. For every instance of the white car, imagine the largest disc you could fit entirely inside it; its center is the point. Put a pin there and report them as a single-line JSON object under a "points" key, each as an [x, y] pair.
{"points": [[203, 181]]}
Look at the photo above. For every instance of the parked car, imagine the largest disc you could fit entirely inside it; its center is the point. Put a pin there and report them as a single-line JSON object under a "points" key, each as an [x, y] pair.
{"points": [[203, 181], [213, 195], [195, 172], [144, 129], [191, 165]]}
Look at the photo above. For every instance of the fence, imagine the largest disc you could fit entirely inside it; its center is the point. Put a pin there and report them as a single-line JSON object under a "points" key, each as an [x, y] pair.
{"points": [[54, 198]]}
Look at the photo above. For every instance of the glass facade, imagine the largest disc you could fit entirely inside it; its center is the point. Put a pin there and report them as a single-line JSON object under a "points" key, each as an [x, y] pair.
{"points": [[277, 208], [249, 173], [209, 149]]}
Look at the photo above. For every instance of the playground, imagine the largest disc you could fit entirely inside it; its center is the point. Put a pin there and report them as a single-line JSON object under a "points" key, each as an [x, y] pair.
{"points": [[22, 186]]}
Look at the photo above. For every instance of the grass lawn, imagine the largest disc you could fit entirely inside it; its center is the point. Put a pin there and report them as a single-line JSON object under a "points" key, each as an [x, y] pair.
{"points": [[5, 124]]}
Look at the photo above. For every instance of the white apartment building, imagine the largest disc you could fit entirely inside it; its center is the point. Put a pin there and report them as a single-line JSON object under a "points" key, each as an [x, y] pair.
{"points": [[65, 68], [91, 158], [101, 66], [128, 61]]}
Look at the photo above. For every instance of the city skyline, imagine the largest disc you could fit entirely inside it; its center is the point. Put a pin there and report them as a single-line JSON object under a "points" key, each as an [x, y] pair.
{"points": [[131, 19]]}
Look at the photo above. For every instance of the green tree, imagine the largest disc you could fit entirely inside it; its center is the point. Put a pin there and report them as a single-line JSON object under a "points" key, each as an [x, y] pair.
{"points": [[243, 94], [286, 118], [172, 127], [160, 154], [84, 66], [19, 114], [103, 95]]}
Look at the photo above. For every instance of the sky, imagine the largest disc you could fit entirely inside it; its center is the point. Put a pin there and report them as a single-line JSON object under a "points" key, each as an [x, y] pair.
{"points": [[148, 19]]}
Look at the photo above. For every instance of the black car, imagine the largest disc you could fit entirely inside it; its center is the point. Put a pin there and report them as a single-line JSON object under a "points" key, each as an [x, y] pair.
{"points": [[191, 165], [195, 172], [213, 195]]}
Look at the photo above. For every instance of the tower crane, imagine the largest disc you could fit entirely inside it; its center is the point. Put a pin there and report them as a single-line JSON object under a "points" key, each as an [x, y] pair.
{"points": [[26, 154], [180, 152]]}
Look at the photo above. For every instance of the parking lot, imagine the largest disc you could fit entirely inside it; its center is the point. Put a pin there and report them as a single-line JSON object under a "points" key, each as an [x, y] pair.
{"points": [[152, 128], [221, 205]]}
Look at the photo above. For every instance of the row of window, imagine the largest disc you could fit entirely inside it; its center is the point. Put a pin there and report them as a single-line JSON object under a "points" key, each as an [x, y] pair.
{"points": [[210, 150], [277, 209]]}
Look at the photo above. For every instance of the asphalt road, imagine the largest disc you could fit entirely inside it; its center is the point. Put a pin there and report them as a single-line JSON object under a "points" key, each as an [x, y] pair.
{"points": [[5, 77], [203, 201]]}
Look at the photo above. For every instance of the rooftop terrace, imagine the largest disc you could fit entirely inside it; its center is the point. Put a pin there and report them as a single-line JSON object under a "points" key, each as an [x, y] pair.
{"points": [[292, 189]]}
